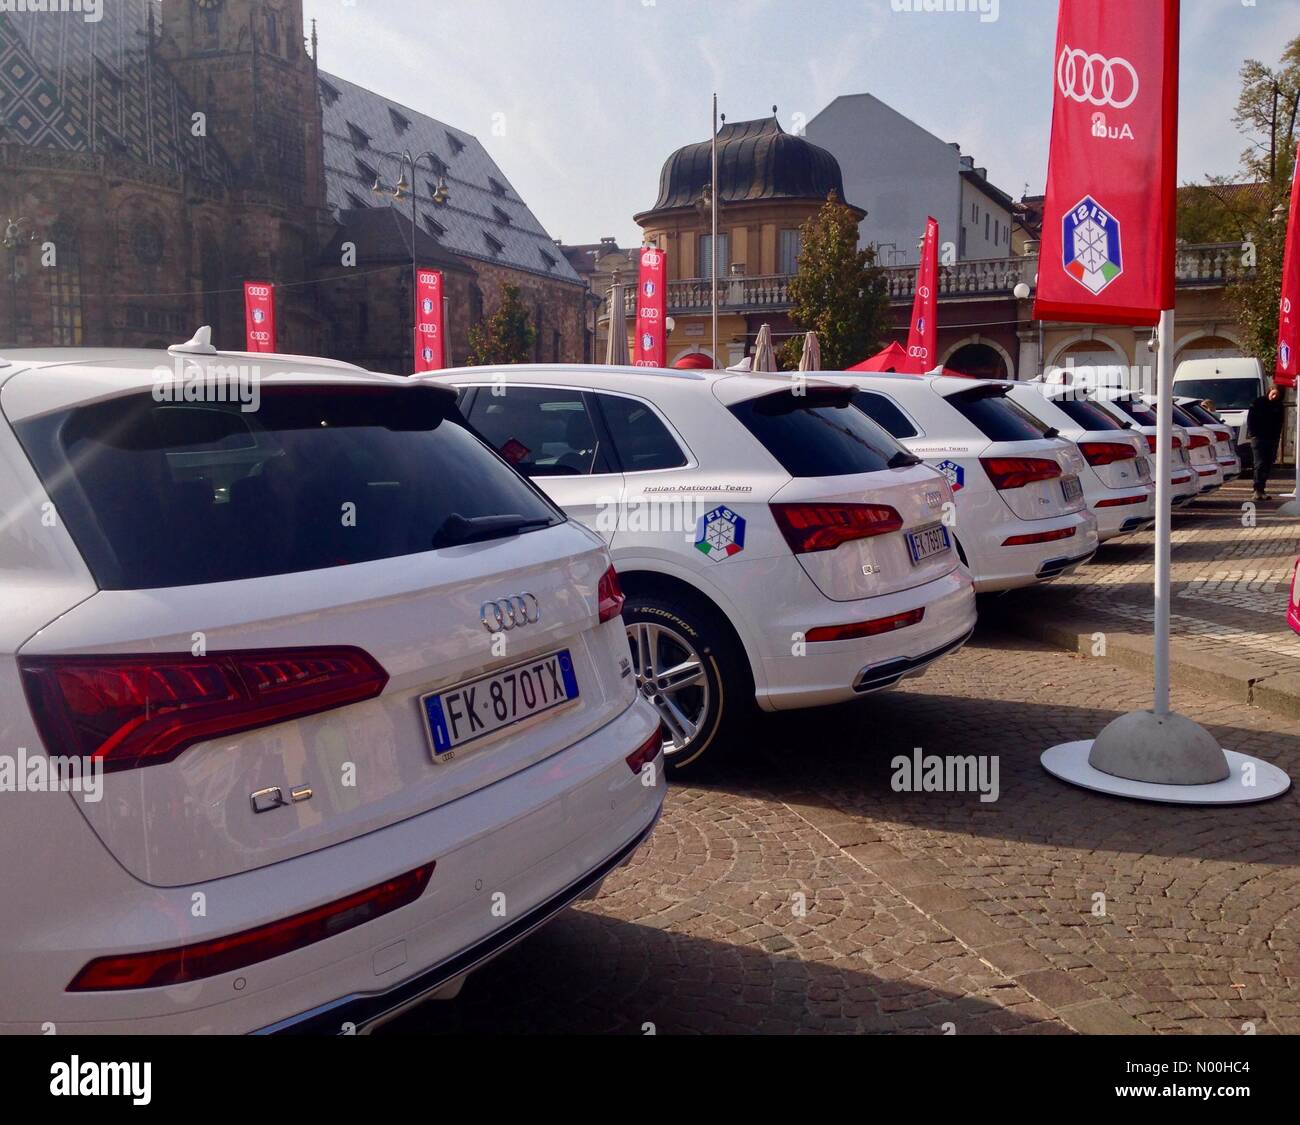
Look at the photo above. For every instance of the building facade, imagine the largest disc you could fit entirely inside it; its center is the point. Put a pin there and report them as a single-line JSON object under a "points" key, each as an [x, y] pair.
{"points": [[168, 153], [771, 183]]}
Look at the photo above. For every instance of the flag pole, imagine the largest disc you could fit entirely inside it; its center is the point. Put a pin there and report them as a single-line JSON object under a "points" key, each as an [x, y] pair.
{"points": [[1164, 508], [713, 239]]}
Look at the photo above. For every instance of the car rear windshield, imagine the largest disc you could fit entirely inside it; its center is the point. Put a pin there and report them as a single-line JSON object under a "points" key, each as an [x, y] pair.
{"points": [[1197, 411], [161, 494], [1226, 394], [1087, 414], [995, 416], [820, 433], [1137, 410]]}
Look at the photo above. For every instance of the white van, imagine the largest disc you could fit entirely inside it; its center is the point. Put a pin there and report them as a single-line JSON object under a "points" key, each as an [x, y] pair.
{"points": [[1232, 384]]}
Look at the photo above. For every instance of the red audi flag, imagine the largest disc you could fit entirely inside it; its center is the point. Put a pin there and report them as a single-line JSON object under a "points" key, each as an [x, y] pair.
{"points": [[428, 320], [1288, 318], [923, 336], [259, 316], [652, 309], [1107, 254]]}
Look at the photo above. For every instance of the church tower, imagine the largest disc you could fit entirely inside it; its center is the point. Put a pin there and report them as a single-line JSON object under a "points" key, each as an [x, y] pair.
{"points": [[245, 65]]}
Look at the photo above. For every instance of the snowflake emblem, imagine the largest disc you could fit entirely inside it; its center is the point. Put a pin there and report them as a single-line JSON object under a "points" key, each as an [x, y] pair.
{"points": [[720, 534], [1090, 245]]}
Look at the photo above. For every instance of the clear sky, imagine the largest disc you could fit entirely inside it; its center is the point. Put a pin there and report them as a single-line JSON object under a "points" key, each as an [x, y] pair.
{"points": [[592, 95]]}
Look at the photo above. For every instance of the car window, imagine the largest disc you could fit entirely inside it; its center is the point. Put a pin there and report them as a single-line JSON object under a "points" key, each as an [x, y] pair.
{"points": [[820, 433], [641, 440], [1086, 414], [1226, 394], [158, 495], [884, 412], [991, 412], [1137, 410], [1197, 411], [541, 432]]}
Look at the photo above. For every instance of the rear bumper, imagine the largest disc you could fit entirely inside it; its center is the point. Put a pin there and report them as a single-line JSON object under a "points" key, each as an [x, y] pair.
{"points": [[998, 568], [509, 856], [1054, 568], [362, 1010], [813, 674]]}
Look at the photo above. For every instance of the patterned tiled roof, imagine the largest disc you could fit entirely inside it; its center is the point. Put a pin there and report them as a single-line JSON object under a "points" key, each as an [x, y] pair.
{"points": [[69, 84], [484, 218]]}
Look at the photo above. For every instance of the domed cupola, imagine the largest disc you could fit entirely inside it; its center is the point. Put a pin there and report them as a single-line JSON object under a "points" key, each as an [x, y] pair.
{"points": [[757, 160]]}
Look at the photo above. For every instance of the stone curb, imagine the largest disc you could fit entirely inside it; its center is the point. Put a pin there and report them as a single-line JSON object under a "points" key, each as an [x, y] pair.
{"points": [[1190, 666]]}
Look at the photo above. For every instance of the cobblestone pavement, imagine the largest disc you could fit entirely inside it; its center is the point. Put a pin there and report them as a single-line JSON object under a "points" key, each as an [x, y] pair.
{"points": [[1230, 578], [928, 912]]}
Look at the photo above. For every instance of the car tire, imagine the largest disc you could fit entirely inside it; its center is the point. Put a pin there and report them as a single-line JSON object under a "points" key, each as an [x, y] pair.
{"points": [[718, 704]]}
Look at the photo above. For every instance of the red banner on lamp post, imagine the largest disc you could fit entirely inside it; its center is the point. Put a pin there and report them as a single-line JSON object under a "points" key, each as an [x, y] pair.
{"points": [[259, 316], [1288, 319], [428, 321], [652, 309], [1107, 253], [923, 336]]}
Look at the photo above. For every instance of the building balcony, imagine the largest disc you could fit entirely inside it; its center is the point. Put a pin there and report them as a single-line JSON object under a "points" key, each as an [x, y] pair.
{"points": [[1203, 266]]}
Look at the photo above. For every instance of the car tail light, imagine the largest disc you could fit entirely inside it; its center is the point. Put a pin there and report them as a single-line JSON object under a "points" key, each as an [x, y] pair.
{"points": [[809, 528], [1178, 442], [874, 628], [1151, 443], [609, 596], [1106, 452], [1016, 472], [1197, 441], [1039, 537], [1223, 435], [1122, 501], [1206, 472], [211, 958], [134, 711], [646, 753]]}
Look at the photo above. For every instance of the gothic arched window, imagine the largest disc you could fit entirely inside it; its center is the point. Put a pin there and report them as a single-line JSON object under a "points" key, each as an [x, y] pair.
{"points": [[64, 278]]}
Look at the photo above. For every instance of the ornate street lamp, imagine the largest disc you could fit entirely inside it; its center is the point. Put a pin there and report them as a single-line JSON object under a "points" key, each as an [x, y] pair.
{"points": [[405, 189], [13, 239]]}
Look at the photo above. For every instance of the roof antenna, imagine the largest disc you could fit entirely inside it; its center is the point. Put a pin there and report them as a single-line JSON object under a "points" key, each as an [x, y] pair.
{"points": [[199, 344]]}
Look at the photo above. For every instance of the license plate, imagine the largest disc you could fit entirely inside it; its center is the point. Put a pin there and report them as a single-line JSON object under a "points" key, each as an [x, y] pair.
{"points": [[925, 542], [1144, 470], [1071, 489], [473, 710]]}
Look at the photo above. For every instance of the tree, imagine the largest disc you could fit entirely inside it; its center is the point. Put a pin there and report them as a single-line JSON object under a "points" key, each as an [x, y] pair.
{"points": [[1247, 210], [839, 292], [507, 336]]}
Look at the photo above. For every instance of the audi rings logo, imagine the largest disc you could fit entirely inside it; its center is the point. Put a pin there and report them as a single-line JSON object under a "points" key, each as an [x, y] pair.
{"points": [[1095, 79], [509, 613]]}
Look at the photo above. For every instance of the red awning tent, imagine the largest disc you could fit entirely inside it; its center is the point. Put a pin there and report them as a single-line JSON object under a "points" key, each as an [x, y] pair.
{"points": [[892, 358]]}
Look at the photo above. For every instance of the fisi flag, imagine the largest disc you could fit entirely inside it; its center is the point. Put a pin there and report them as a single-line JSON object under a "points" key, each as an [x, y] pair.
{"points": [[428, 320], [259, 316], [1107, 253], [651, 309], [923, 335], [1288, 319]]}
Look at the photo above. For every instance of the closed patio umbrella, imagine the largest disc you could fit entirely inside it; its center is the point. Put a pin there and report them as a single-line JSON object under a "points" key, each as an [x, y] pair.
{"points": [[616, 354], [764, 356], [811, 359]]}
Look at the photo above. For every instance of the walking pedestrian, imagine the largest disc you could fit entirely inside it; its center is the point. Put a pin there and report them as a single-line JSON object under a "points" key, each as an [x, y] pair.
{"points": [[1264, 428]]}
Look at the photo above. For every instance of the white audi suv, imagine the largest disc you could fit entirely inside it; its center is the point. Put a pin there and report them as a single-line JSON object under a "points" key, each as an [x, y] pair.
{"points": [[777, 547], [316, 704]]}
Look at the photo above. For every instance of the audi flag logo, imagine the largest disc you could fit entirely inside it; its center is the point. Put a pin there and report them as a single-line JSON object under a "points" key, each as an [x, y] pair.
{"points": [[1089, 77], [514, 612]]}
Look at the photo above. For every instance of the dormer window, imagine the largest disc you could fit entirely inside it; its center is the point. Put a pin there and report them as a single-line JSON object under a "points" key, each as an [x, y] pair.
{"points": [[329, 93], [550, 259], [494, 244], [432, 225], [400, 123], [498, 188], [355, 202], [360, 138], [366, 172], [457, 145], [501, 216]]}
